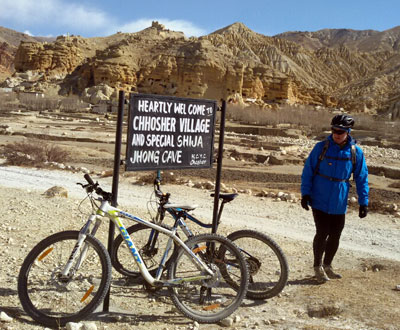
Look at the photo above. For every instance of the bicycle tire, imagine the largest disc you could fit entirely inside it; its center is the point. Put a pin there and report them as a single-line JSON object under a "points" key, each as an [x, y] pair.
{"points": [[121, 257], [53, 301], [268, 267], [209, 301]]}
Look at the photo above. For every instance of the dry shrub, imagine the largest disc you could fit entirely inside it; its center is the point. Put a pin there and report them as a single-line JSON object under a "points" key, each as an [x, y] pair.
{"points": [[374, 265], [35, 102], [376, 206], [395, 185], [8, 101], [33, 154], [166, 177], [56, 154], [72, 104], [8, 97], [325, 309]]}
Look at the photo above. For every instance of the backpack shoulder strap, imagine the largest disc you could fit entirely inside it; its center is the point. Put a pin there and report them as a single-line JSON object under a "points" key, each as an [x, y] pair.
{"points": [[353, 158], [321, 156], [353, 155]]}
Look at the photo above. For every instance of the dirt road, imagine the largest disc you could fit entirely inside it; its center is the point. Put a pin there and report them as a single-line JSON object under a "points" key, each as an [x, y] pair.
{"points": [[369, 258]]}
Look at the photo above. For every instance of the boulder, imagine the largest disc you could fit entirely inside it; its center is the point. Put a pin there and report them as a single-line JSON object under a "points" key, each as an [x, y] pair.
{"points": [[56, 191], [97, 94]]}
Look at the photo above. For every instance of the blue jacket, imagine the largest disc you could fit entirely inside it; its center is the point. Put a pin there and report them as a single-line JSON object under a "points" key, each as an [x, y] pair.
{"points": [[331, 196]]}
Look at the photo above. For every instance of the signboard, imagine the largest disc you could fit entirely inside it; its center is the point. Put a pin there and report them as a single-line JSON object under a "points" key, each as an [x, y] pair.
{"points": [[166, 132]]}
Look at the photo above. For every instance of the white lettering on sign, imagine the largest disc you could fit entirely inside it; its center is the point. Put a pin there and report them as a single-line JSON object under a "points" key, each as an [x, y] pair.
{"points": [[197, 109], [192, 141], [198, 159], [158, 124], [190, 125], [145, 156], [154, 106], [160, 141], [171, 156], [180, 108], [138, 139]]}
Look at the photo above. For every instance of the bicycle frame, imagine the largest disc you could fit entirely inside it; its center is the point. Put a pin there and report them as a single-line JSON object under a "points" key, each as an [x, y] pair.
{"points": [[179, 219], [115, 215], [180, 214]]}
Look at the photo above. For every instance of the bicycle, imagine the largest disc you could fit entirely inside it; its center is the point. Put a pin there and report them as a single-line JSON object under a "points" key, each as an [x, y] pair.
{"points": [[67, 275], [266, 261]]}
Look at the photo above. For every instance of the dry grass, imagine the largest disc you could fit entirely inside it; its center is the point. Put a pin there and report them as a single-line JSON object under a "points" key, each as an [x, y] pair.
{"points": [[8, 101], [307, 117], [296, 116], [72, 104], [379, 124], [33, 154], [35, 102], [166, 177]]}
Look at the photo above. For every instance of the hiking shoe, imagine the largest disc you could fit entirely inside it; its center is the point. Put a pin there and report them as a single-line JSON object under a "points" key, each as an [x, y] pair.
{"points": [[320, 275], [331, 274]]}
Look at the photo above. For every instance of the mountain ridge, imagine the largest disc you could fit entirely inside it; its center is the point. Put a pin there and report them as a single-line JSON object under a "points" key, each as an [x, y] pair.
{"points": [[233, 63]]}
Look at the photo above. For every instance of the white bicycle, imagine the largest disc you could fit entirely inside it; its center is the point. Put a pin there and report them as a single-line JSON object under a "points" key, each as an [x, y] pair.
{"points": [[67, 275]]}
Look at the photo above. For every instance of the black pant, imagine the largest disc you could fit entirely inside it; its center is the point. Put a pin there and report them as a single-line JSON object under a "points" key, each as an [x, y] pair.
{"points": [[329, 228]]}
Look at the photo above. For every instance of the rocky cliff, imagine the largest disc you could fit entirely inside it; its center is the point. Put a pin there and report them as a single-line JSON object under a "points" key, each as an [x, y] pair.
{"points": [[6, 58], [9, 42], [356, 70]]}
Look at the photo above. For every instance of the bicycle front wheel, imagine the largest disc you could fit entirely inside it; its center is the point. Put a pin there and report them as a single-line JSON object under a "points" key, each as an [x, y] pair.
{"points": [[210, 299], [52, 299], [267, 263]]}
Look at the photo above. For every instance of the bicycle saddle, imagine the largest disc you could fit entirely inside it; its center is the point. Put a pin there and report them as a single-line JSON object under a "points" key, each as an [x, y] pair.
{"points": [[184, 207], [226, 197]]}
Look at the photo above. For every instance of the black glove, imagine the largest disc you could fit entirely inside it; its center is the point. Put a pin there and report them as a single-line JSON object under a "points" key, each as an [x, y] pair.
{"points": [[363, 210], [305, 201]]}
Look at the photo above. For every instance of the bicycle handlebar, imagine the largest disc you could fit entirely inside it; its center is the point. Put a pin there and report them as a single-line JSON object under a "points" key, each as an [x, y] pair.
{"points": [[163, 197], [91, 186], [89, 179]]}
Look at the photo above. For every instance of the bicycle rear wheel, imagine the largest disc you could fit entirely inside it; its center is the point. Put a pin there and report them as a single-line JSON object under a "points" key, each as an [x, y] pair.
{"points": [[151, 250], [267, 263], [53, 300], [209, 300]]}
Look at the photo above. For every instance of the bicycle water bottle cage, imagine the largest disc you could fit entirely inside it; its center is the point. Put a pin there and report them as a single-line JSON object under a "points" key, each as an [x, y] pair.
{"points": [[226, 198]]}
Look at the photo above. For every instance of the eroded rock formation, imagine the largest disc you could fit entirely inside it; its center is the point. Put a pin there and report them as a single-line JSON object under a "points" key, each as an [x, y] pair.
{"points": [[233, 63]]}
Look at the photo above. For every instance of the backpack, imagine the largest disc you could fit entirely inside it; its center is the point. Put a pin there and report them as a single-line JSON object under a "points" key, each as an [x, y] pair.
{"points": [[322, 156]]}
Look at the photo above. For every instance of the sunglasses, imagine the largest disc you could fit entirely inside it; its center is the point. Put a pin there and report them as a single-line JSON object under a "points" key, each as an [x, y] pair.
{"points": [[338, 131]]}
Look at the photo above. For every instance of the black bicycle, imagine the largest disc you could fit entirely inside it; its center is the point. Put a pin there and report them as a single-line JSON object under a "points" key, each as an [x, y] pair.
{"points": [[266, 261]]}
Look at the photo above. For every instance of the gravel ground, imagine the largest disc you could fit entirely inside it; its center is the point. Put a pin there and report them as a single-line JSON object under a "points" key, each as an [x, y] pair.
{"points": [[369, 258]]}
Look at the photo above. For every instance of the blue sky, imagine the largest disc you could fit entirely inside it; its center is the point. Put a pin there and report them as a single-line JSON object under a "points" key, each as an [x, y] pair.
{"points": [[90, 18]]}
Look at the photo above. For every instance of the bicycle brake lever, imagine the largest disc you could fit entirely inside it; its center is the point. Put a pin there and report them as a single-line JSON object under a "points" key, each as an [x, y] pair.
{"points": [[83, 185]]}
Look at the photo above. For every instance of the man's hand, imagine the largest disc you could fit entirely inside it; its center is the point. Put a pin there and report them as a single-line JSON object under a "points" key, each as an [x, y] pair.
{"points": [[363, 210], [305, 201]]}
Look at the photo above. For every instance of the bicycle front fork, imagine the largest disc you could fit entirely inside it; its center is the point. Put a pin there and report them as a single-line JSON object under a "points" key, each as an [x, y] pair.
{"points": [[66, 273]]}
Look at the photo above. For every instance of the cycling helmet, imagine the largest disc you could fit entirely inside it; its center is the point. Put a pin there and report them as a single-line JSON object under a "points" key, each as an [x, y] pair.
{"points": [[342, 121]]}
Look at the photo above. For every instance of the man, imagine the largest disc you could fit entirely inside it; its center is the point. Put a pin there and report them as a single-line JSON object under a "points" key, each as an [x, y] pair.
{"points": [[325, 184]]}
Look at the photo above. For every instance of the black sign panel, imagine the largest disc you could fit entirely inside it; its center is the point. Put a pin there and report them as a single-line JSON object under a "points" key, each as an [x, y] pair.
{"points": [[166, 132]]}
